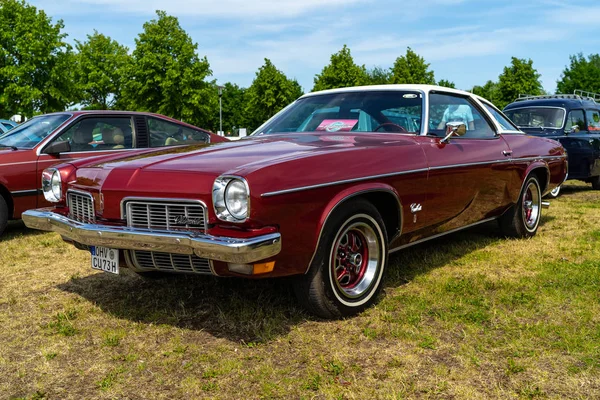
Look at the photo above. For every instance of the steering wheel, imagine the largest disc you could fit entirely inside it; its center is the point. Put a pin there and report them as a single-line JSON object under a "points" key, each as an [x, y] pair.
{"points": [[402, 129]]}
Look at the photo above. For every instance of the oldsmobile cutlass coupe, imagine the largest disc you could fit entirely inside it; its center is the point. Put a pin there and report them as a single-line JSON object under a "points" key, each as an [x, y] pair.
{"points": [[324, 190]]}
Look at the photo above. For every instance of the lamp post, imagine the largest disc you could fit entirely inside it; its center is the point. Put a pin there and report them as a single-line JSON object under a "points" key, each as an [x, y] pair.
{"points": [[221, 110]]}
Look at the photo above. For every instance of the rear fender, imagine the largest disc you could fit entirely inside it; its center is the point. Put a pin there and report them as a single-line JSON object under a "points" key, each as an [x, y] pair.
{"points": [[536, 166]]}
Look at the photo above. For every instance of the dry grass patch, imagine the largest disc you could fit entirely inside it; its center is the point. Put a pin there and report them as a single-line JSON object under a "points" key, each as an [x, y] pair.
{"points": [[466, 316]]}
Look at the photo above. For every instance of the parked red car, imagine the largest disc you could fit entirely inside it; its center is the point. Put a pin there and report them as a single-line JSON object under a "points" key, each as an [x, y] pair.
{"points": [[54, 138], [325, 190]]}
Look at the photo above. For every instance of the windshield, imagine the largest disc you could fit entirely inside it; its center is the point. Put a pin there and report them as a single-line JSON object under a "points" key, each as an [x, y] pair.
{"points": [[370, 111], [29, 134], [537, 117]]}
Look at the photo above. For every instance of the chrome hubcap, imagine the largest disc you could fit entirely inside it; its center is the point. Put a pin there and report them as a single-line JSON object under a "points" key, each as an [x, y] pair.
{"points": [[355, 259], [531, 205]]}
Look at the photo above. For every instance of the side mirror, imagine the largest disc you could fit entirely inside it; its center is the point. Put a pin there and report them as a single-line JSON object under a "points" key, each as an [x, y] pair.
{"points": [[574, 129], [57, 148], [454, 129]]}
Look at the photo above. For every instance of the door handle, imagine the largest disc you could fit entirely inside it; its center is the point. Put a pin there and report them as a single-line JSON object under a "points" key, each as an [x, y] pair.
{"points": [[507, 153]]}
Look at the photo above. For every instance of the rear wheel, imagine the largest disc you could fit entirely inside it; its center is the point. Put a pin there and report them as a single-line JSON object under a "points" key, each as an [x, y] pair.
{"points": [[3, 215], [523, 219], [346, 274], [595, 182]]}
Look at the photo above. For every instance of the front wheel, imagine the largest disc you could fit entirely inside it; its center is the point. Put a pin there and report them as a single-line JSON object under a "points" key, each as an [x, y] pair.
{"points": [[595, 182], [522, 219], [346, 274]]}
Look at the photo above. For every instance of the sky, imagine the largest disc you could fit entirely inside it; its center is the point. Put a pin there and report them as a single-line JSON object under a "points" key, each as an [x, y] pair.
{"points": [[466, 41]]}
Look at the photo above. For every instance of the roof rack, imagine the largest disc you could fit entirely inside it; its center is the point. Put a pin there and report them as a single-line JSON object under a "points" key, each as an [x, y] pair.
{"points": [[577, 95], [588, 95]]}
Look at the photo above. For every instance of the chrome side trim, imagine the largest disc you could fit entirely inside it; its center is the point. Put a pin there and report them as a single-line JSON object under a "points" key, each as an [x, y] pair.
{"points": [[441, 234], [414, 171], [24, 193], [540, 158], [320, 185], [400, 219], [474, 164], [226, 249]]}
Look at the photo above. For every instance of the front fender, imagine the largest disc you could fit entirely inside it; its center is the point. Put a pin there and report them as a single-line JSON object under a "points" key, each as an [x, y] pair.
{"points": [[347, 194]]}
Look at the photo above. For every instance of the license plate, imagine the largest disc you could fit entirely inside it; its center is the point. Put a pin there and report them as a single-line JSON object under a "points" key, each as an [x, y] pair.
{"points": [[105, 259]]}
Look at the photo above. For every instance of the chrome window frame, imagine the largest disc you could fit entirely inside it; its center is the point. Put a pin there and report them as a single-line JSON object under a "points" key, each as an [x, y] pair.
{"points": [[491, 121]]}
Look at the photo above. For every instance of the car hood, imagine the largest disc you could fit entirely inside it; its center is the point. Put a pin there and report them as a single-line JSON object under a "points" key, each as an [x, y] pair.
{"points": [[244, 156]]}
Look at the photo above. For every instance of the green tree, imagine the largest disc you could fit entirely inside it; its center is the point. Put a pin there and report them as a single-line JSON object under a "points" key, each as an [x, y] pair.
{"points": [[341, 72], [446, 83], [167, 76], [233, 107], [101, 63], [378, 76], [520, 77], [412, 68], [488, 91], [35, 62], [582, 74], [270, 91]]}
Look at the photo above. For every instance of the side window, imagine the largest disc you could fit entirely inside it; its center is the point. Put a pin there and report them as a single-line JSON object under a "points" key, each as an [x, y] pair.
{"points": [[445, 108], [167, 133], [575, 119], [593, 120], [99, 134]]}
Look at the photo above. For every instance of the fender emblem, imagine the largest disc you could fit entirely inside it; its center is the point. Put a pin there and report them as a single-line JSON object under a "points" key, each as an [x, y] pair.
{"points": [[415, 208]]}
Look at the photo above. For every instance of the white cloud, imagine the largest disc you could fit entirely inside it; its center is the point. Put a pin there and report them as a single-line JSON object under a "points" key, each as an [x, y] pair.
{"points": [[271, 9]]}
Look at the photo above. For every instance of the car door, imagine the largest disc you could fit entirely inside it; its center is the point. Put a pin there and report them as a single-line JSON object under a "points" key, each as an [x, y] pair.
{"points": [[89, 136], [469, 174]]}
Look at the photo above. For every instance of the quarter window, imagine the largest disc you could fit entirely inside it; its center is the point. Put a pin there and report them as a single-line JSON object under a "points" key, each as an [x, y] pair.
{"points": [[166, 133], [445, 108], [99, 134], [502, 120], [593, 120], [575, 119]]}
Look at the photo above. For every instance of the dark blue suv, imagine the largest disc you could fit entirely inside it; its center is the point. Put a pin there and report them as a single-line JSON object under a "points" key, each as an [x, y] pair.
{"points": [[573, 120]]}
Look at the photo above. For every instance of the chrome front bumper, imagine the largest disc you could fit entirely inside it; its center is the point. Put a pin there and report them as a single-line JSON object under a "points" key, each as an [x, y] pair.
{"points": [[227, 249]]}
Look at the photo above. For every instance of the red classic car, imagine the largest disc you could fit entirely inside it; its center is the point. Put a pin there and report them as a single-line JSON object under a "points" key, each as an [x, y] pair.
{"points": [[324, 190], [55, 138]]}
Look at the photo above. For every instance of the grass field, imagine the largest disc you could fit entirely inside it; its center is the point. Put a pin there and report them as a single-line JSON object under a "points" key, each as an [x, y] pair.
{"points": [[466, 316]]}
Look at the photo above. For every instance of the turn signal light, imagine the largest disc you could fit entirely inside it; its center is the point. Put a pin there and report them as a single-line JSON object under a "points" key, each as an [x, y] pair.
{"points": [[252, 269]]}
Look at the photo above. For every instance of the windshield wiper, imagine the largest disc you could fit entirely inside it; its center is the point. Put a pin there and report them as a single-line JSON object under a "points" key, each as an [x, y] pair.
{"points": [[14, 148]]}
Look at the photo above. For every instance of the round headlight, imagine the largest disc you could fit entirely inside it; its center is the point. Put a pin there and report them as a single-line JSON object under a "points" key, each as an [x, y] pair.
{"points": [[56, 185], [236, 199], [51, 185]]}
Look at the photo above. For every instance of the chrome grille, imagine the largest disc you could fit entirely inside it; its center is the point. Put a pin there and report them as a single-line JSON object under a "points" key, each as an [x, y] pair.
{"points": [[81, 206], [154, 261], [167, 215]]}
